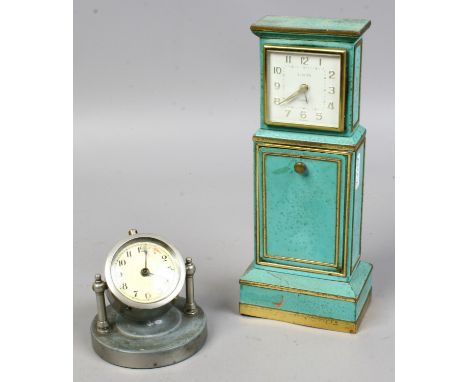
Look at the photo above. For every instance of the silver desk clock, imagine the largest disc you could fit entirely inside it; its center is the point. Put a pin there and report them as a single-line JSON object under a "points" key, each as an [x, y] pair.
{"points": [[146, 324]]}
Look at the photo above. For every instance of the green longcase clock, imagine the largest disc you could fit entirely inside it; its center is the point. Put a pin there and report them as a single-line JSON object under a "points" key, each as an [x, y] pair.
{"points": [[308, 176]]}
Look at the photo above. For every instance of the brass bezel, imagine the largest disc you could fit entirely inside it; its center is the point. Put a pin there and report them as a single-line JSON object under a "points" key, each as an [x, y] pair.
{"points": [[306, 49]]}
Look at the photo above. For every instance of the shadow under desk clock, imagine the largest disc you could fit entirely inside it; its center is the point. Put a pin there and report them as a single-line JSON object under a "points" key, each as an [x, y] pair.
{"points": [[147, 324], [308, 176]]}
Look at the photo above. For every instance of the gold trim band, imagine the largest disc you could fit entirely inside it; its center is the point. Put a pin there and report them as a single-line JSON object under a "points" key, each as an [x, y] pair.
{"points": [[318, 145], [305, 319], [299, 291]]}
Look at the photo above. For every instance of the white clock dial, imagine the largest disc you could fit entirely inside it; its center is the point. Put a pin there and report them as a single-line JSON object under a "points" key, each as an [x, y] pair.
{"points": [[145, 272], [303, 87]]}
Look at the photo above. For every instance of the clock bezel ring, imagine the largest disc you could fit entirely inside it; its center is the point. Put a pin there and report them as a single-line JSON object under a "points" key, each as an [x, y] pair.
{"points": [[140, 238]]}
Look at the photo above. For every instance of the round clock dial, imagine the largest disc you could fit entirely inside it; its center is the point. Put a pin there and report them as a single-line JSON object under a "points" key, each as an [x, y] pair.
{"points": [[145, 272], [304, 87]]}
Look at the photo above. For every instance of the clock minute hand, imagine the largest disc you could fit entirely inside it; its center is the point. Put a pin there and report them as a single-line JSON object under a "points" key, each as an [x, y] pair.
{"points": [[145, 271], [303, 88]]}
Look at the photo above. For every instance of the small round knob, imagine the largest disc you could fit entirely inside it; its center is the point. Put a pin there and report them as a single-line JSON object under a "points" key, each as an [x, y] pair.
{"points": [[189, 266], [132, 231], [300, 168], [99, 286]]}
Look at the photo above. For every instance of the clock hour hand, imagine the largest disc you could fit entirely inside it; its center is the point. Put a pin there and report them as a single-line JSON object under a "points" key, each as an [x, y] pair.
{"points": [[158, 275], [303, 88]]}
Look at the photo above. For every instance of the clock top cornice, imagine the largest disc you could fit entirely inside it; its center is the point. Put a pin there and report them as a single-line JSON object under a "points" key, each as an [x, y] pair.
{"points": [[309, 26]]}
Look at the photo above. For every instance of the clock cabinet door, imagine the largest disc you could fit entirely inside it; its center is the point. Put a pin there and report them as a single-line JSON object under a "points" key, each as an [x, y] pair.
{"points": [[300, 209]]}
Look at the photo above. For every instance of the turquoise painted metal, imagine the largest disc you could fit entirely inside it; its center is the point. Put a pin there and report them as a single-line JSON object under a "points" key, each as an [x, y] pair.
{"points": [[307, 266]]}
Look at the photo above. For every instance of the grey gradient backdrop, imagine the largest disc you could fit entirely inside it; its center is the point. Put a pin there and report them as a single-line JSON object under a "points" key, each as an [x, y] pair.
{"points": [[166, 102]]}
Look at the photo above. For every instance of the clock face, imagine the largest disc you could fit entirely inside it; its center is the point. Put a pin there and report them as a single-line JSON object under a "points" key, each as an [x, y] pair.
{"points": [[144, 273], [304, 87]]}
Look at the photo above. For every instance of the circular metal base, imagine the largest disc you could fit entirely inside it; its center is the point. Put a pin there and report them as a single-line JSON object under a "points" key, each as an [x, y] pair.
{"points": [[166, 340]]}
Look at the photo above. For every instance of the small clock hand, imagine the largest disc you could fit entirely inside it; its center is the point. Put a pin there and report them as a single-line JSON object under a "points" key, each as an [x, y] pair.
{"points": [[159, 276], [290, 98], [154, 274], [145, 271], [303, 88]]}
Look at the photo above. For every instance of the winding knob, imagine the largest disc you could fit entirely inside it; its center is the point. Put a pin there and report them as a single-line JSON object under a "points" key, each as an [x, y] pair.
{"points": [[300, 168]]}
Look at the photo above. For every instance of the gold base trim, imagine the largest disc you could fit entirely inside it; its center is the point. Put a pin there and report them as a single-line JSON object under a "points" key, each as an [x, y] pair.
{"points": [[305, 319]]}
